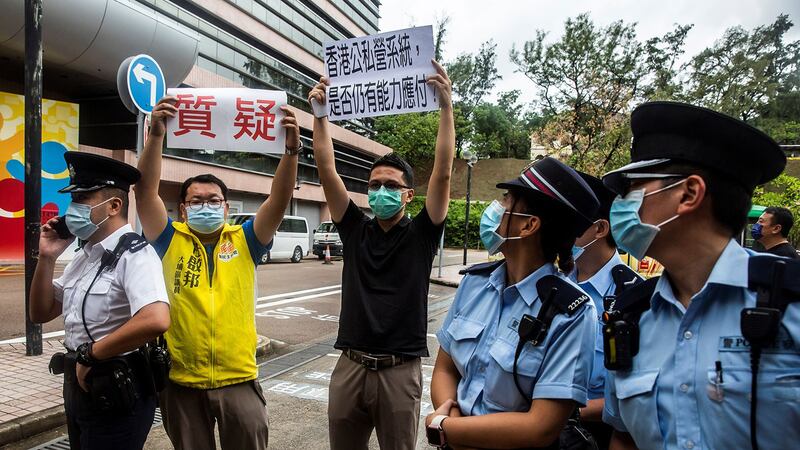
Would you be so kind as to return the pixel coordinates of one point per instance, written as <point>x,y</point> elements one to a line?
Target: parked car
<point>325,236</point>
<point>290,241</point>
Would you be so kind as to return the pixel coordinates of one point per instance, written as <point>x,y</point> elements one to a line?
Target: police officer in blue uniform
<point>600,272</point>
<point>708,355</point>
<point>516,347</point>
<point>114,301</point>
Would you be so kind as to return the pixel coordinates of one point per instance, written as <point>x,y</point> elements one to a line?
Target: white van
<point>290,241</point>
<point>326,236</point>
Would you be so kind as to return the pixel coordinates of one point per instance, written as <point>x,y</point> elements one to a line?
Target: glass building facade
<point>233,54</point>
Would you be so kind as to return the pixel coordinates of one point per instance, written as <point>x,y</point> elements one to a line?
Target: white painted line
<point>298,299</point>
<point>335,355</point>
<point>21,340</point>
<point>432,336</point>
<point>306,291</point>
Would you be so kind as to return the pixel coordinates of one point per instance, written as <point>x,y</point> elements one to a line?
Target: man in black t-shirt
<point>772,229</point>
<point>377,382</point>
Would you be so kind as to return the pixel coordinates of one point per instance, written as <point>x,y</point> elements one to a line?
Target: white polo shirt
<point>116,295</point>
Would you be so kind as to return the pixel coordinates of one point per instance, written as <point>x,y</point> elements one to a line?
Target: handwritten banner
<point>380,74</point>
<point>229,119</point>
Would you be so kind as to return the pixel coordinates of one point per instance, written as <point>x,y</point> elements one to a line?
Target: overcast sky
<point>511,22</point>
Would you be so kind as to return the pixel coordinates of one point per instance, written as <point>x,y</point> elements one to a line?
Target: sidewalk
<point>30,397</point>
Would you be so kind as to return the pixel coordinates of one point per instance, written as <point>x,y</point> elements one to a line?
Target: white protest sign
<point>380,74</point>
<point>230,119</point>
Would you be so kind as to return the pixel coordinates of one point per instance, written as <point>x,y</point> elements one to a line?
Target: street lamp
<point>471,159</point>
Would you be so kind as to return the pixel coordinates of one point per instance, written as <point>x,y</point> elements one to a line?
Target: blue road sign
<point>146,83</point>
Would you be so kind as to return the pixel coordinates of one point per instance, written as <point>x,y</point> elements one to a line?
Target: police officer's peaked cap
<point>89,172</point>
<point>554,182</point>
<point>665,132</point>
<point>604,195</point>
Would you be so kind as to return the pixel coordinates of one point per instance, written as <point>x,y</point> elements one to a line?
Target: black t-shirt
<point>784,249</point>
<point>385,283</point>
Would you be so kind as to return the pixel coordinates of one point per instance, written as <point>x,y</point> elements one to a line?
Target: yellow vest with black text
<point>212,338</point>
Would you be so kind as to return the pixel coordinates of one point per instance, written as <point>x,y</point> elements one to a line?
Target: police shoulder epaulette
<point>133,242</point>
<point>624,278</point>
<point>486,267</point>
<point>566,297</point>
<point>637,298</point>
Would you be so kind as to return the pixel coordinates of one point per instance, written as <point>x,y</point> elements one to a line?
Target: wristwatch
<point>294,151</point>
<point>84,354</point>
<point>435,432</point>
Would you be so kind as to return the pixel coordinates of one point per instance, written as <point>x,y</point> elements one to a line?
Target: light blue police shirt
<point>670,398</point>
<point>598,286</point>
<point>480,335</point>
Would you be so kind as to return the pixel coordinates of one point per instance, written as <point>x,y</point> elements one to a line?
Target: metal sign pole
<point>33,162</point>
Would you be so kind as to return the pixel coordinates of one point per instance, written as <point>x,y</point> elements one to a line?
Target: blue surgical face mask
<point>757,231</point>
<point>79,219</point>
<point>627,228</point>
<point>385,203</point>
<point>205,220</point>
<point>578,251</point>
<point>490,220</point>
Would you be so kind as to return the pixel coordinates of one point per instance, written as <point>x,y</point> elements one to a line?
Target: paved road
<point>298,307</point>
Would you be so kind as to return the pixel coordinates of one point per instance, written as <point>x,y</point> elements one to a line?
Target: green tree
<point>744,71</point>
<point>412,136</point>
<point>473,77</point>
<point>499,130</point>
<point>588,81</point>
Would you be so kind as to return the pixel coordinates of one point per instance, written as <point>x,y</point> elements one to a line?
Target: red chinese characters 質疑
<point>194,114</point>
<point>255,119</point>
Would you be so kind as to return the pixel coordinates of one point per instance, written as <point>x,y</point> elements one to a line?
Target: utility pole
<point>33,162</point>
<point>471,158</point>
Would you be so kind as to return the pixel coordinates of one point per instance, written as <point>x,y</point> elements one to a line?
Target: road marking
<point>298,299</point>
<point>306,291</point>
<point>21,340</point>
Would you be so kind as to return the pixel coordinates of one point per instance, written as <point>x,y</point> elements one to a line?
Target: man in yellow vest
<point>210,272</point>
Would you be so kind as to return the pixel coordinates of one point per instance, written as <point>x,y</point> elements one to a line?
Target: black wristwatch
<point>84,354</point>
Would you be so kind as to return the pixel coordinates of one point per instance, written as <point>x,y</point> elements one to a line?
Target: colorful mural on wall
<point>59,135</point>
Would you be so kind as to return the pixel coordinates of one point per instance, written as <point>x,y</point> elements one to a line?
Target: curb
<point>263,347</point>
<point>444,282</point>
<point>24,427</point>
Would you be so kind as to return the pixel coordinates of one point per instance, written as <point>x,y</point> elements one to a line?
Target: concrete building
<point>263,44</point>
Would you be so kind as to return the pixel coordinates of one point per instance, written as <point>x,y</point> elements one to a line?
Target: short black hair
<point>781,216</point>
<point>730,200</point>
<point>111,192</point>
<point>204,178</point>
<point>394,160</point>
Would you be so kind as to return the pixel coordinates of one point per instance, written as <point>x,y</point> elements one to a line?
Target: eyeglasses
<point>375,186</point>
<point>197,205</point>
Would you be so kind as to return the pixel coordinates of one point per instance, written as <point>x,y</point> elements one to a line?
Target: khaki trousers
<point>387,400</point>
<point>239,410</point>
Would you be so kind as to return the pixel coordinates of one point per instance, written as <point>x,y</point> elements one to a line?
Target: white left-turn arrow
<point>141,75</point>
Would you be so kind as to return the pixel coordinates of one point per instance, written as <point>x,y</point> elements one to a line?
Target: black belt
<point>373,361</point>
<point>134,360</point>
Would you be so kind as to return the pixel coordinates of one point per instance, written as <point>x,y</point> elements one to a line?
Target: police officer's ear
<point>692,193</point>
<point>530,226</point>
<point>115,205</point>
<point>602,229</point>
